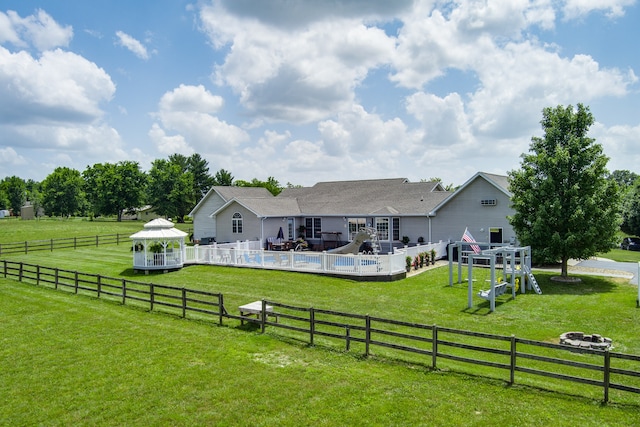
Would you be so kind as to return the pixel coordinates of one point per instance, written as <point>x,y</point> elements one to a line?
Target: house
<point>145,213</point>
<point>329,214</point>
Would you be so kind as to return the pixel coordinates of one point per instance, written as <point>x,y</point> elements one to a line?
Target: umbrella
<point>280,234</point>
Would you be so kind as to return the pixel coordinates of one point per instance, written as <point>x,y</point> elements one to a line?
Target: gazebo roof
<point>158,228</point>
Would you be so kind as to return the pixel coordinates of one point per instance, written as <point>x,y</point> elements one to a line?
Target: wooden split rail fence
<point>527,362</point>
<point>62,243</point>
<point>175,300</point>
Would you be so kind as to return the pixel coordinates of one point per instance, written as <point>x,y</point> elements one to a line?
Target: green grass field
<point>74,360</point>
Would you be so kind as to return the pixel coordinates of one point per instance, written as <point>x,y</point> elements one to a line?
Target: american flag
<point>467,237</point>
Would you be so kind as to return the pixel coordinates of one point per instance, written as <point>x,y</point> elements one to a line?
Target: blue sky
<point>309,91</point>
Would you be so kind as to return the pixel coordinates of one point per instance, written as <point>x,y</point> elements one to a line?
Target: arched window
<point>236,223</point>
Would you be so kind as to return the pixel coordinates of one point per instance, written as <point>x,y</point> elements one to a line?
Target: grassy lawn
<point>622,256</point>
<point>101,363</point>
<point>73,360</point>
<point>16,230</point>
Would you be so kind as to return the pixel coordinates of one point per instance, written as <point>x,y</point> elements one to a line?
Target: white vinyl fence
<point>250,254</point>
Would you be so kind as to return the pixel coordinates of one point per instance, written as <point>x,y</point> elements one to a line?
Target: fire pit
<point>582,340</point>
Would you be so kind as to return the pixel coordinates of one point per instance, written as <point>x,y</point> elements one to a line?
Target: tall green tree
<point>223,178</point>
<point>565,207</point>
<point>15,191</point>
<point>114,188</point>
<point>202,180</point>
<point>62,192</point>
<point>170,189</point>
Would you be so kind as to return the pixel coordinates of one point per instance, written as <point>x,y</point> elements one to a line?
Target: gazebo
<point>160,246</point>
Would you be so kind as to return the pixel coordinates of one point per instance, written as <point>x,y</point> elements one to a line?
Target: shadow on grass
<point>589,285</point>
<point>484,307</point>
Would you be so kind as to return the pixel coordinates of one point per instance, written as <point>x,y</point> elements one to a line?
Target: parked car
<point>630,244</point>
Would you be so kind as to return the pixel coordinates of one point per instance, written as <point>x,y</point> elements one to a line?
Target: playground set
<point>514,261</point>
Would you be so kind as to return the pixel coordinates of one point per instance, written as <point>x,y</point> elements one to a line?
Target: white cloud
<point>620,144</point>
<point>136,47</point>
<point>9,156</point>
<point>188,98</point>
<point>611,8</point>
<point>167,144</point>
<point>39,30</point>
<point>57,87</point>
<point>295,74</point>
<point>527,76</point>
<point>189,112</point>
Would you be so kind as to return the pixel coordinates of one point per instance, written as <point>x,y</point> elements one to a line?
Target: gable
<point>481,187</point>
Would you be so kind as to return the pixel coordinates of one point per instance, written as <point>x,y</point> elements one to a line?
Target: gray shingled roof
<point>395,196</point>
<point>499,180</point>
<point>229,192</point>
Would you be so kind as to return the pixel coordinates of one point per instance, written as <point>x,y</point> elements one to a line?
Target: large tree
<point>170,189</point>
<point>114,188</point>
<point>14,189</point>
<point>62,192</point>
<point>202,180</point>
<point>565,207</point>
<point>223,178</point>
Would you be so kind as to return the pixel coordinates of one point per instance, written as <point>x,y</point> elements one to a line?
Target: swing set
<point>514,261</point>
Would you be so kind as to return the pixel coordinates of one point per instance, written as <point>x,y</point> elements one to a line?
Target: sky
<point>315,90</point>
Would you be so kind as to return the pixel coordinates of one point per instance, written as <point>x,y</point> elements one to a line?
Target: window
<point>489,202</point>
<point>396,228</point>
<point>382,228</point>
<point>313,228</point>
<point>355,225</point>
<point>236,223</point>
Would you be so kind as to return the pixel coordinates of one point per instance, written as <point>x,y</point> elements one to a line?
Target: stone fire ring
<point>581,340</point>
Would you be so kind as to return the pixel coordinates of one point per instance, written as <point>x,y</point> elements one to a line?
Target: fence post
<point>20,272</point>
<point>51,246</point>
<point>512,375</point>
<point>38,274</point>
<point>4,268</point>
<point>607,374</point>
<point>75,243</point>
<point>26,247</point>
<point>99,285</point>
<point>184,303</point>
<point>348,337</point>
<point>263,316</point>
<point>220,307</point>
<point>96,241</point>
<point>75,282</point>
<point>312,324</point>
<point>434,346</point>
<point>367,335</point>
<point>124,291</point>
<point>57,275</point>
<point>152,296</point>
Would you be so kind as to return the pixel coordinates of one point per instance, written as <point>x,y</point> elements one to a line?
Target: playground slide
<point>354,246</point>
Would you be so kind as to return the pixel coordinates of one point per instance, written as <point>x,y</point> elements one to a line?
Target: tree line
<point>172,186</point>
